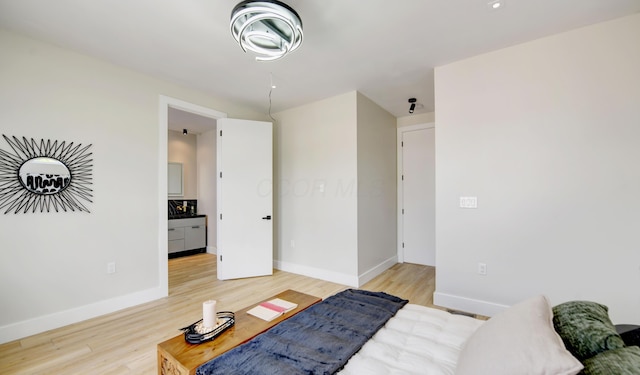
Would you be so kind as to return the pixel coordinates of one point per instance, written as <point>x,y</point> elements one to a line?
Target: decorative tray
<point>196,334</point>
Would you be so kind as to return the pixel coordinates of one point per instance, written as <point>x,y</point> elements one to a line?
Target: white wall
<point>545,134</point>
<point>377,230</point>
<point>53,265</point>
<point>207,184</point>
<point>335,170</point>
<point>316,180</point>
<point>182,149</point>
<point>416,119</point>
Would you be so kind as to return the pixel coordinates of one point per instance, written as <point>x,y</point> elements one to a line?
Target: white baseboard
<point>44,323</point>
<point>336,277</point>
<point>212,250</point>
<point>317,273</point>
<point>465,304</point>
<point>377,270</point>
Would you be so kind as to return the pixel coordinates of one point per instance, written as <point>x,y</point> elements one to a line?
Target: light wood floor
<point>125,342</point>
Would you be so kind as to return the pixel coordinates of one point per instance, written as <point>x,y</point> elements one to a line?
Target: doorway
<point>192,147</point>
<point>167,103</point>
<point>416,194</point>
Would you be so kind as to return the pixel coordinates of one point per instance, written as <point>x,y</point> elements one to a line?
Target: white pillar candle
<point>209,313</point>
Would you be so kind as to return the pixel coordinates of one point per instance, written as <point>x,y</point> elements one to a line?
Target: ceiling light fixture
<point>412,107</point>
<point>496,4</point>
<point>269,28</point>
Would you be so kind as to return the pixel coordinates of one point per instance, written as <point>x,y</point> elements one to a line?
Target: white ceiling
<point>385,49</point>
<point>195,124</point>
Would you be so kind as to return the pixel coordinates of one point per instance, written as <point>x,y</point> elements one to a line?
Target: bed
<point>417,340</point>
<point>363,332</point>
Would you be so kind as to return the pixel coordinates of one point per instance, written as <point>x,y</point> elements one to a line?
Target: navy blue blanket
<point>318,340</point>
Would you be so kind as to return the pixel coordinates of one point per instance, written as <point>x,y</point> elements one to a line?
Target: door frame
<point>166,102</point>
<point>400,131</point>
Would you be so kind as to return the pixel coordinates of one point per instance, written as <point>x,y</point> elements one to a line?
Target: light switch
<point>469,202</point>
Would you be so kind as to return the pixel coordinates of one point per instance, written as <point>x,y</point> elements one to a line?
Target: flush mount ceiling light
<point>269,28</point>
<point>496,4</point>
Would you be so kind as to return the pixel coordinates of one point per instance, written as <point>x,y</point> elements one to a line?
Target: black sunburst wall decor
<point>44,176</point>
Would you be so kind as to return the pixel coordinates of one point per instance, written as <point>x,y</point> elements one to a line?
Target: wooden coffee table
<point>178,357</point>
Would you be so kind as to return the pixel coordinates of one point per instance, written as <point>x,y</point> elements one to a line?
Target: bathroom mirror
<point>175,184</point>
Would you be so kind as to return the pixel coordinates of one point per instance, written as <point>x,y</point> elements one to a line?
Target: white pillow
<point>518,341</point>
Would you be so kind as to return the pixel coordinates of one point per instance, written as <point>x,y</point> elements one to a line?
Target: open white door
<point>245,201</point>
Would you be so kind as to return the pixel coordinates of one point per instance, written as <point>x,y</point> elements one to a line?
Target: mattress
<point>417,340</point>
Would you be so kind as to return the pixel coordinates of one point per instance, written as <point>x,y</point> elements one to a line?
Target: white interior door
<point>245,201</point>
<point>418,194</point>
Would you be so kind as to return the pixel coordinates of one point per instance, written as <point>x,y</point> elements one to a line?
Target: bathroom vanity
<point>187,234</point>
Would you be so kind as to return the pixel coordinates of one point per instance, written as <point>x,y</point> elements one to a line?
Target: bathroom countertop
<point>184,216</point>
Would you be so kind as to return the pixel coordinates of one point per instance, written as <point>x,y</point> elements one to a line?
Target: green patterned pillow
<point>623,361</point>
<point>585,328</point>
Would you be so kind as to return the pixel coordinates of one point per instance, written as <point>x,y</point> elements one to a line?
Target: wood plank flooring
<point>125,342</point>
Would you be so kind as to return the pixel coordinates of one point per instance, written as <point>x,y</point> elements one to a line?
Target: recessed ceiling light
<point>496,4</point>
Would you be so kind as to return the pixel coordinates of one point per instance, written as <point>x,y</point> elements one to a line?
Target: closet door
<point>418,194</point>
<point>245,198</point>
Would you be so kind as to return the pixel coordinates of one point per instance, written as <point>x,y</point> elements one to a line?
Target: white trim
<point>212,249</point>
<point>165,103</point>
<point>163,214</point>
<point>59,319</point>
<point>316,273</point>
<point>377,270</point>
<point>193,108</point>
<point>471,305</point>
<point>336,277</point>
<point>400,228</point>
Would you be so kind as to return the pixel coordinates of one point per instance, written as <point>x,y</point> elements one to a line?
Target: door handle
<point>268,217</point>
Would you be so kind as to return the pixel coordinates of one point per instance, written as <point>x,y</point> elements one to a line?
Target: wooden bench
<point>178,357</point>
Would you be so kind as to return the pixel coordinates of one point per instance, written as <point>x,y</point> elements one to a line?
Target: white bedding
<point>417,340</point>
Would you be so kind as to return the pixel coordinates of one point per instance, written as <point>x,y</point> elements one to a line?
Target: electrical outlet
<point>482,268</point>
<point>111,267</point>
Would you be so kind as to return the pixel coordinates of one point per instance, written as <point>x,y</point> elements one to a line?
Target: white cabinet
<point>195,236</point>
<point>187,234</point>
<point>176,238</point>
